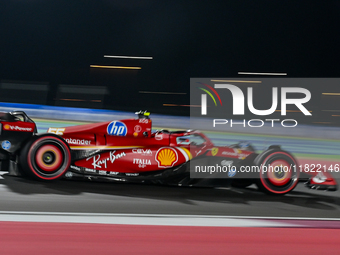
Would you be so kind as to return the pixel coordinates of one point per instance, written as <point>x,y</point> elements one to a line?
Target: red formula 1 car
<point>128,150</point>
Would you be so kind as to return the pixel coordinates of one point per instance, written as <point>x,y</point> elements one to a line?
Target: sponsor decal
<point>232,172</point>
<point>57,131</point>
<point>319,178</point>
<point>143,152</point>
<point>159,137</point>
<point>214,151</point>
<point>226,162</point>
<point>199,152</point>
<point>166,157</point>
<point>237,153</point>
<point>131,174</point>
<point>137,128</point>
<point>135,134</point>
<point>78,141</point>
<point>141,162</point>
<point>17,128</point>
<point>228,153</point>
<point>117,128</point>
<point>102,172</point>
<point>6,145</point>
<point>113,173</point>
<point>68,175</point>
<point>244,144</point>
<point>91,153</point>
<point>144,121</point>
<point>98,162</point>
<point>89,170</point>
<point>75,168</point>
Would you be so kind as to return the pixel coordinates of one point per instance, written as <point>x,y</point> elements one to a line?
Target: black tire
<point>45,157</point>
<point>282,174</point>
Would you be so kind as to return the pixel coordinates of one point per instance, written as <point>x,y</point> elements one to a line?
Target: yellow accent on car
<point>187,152</point>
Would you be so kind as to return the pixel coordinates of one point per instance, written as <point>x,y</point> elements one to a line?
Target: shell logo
<point>6,127</point>
<point>166,157</point>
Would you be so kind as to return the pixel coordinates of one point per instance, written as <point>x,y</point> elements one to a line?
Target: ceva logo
<point>117,128</point>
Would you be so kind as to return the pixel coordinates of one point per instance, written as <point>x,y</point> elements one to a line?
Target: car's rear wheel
<point>46,157</point>
<point>278,173</point>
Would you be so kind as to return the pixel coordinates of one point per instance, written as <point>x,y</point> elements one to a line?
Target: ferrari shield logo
<point>214,151</point>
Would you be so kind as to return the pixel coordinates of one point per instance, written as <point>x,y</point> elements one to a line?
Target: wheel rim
<point>280,174</point>
<point>279,182</point>
<point>49,158</point>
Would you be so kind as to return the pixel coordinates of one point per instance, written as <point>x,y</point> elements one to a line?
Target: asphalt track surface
<point>19,194</point>
<point>273,236</point>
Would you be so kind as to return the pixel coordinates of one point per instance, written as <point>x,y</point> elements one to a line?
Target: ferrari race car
<point>128,150</point>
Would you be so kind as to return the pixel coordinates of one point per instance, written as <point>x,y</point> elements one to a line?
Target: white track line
<point>150,219</point>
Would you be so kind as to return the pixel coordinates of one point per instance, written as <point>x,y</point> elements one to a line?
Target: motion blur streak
<point>237,81</point>
<point>52,238</point>
<point>159,92</point>
<point>116,67</point>
<point>262,73</point>
<point>185,105</point>
<point>132,57</point>
<point>331,94</point>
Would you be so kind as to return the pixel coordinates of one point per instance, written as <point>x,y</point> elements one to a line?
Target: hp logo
<point>117,128</point>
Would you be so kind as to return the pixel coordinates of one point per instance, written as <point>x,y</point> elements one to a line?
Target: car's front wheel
<point>45,157</point>
<point>278,173</point>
